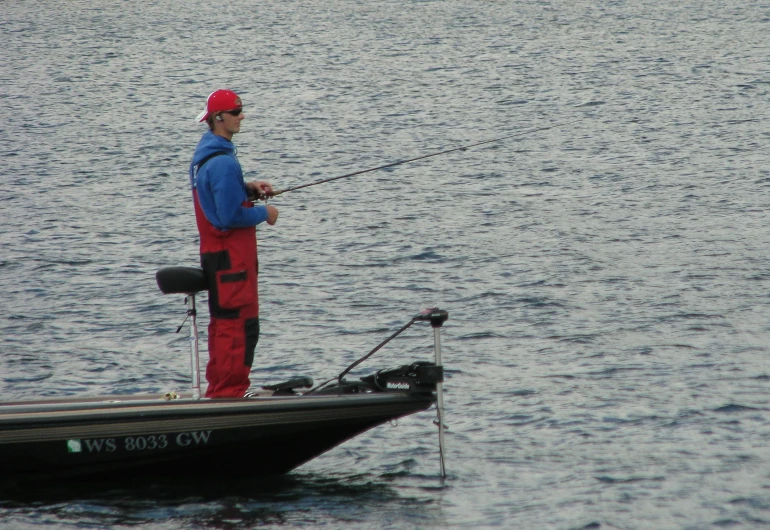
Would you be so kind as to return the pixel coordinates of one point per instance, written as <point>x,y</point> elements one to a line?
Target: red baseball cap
<point>220,101</point>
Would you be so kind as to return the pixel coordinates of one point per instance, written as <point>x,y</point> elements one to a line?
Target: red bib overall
<point>229,260</point>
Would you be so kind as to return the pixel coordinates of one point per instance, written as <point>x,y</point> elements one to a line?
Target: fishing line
<point>392,164</point>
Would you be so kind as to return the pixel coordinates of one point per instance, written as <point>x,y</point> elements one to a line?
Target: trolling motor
<point>417,378</point>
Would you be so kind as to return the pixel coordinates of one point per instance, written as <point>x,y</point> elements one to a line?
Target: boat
<point>276,429</point>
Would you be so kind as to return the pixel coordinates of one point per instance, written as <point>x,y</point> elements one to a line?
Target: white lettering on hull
<point>183,439</point>
<point>138,443</point>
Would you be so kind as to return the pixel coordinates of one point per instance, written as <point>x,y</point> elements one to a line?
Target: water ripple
<point>607,343</point>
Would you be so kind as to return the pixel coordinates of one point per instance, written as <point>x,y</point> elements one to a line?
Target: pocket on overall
<point>234,289</point>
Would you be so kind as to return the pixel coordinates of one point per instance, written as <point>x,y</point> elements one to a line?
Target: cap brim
<point>203,115</point>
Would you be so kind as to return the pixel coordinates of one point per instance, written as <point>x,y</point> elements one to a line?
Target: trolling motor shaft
<point>437,317</point>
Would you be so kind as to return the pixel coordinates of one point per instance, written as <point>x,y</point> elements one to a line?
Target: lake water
<point>606,280</point>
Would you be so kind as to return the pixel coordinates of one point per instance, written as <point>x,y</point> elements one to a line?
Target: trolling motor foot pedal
<point>288,387</point>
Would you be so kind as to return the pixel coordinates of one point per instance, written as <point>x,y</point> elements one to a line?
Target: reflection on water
<point>295,500</point>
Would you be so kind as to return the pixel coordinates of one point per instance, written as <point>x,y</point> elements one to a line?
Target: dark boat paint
<point>60,438</point>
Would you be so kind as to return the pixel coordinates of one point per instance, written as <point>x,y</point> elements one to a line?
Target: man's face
<point>232,119</point>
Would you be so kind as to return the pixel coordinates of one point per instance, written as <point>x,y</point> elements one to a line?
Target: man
<point>227,220</point>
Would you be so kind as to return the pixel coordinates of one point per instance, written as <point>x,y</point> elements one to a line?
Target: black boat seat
<point>181,280</point>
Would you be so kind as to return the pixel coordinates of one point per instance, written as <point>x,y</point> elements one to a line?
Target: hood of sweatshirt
<point>209,144</point>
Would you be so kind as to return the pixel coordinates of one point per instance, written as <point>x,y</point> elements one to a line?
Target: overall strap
<point>196,167</point>
<point>212,155</point>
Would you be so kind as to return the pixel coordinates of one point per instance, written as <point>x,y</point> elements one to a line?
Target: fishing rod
<point>392,164</point>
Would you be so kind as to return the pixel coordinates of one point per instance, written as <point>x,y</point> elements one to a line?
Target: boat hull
<point>139,438</point>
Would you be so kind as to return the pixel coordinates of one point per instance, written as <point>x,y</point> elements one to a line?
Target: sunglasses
<point>234,112</point>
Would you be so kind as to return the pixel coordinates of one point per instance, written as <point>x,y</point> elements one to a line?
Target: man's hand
<point>260,189</point>
<point>272,214</point>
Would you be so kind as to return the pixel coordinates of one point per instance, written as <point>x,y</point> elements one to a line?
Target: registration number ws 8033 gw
<point>152,442</point>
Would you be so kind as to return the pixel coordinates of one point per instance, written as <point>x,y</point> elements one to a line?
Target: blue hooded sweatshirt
<point>220,185</point>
